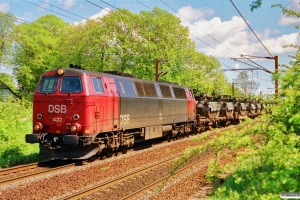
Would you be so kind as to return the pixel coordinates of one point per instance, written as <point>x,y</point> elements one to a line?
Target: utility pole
<point>276,72</point>
<point>248,57</point>
<point>232,88</point>
<point>156,67</point>
<point>157,61</point>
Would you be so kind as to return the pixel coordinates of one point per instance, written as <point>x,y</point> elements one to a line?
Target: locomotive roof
<point>74,71</point>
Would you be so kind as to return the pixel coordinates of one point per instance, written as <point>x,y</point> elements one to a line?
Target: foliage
<point>248,87</point>
<point>6,29</point>
<point>15,120</point>
<point>9,81</point>
<point>119,41</point>
<point>287,12</point>
<point>255,4</point>
<point>36,50</point>
<point>268,165</point>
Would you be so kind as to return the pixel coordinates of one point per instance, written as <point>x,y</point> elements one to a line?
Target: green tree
<point>255,4</point>
<point>247,86</point>
<point>36,50</point>
<point>270,164</point>
<point>131,43</point>
<point>6,40</point>
<point>9,81</point>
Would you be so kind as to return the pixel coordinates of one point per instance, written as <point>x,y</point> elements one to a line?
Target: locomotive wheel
<point>107,153</point>
<point>124,149</point>
<point>102,157</point>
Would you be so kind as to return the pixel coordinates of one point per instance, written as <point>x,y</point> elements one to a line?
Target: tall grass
<point>269,164</point>
<point>15,122</point>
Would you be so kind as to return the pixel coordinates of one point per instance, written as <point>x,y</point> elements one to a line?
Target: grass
<point>15,122</point>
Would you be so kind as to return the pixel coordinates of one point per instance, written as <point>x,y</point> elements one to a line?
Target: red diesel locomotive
<point>79,113</point>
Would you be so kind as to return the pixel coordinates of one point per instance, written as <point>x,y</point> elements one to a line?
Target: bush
<point>15,122</point>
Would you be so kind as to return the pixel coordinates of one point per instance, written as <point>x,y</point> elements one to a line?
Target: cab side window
<point>98,86</point>
<point>179,93</point>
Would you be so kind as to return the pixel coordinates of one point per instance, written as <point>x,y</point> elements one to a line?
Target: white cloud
<point>276,44</point>
<point>4,7</point>
<point>193,14</point>
<point>236,66</point>
<point>291,20</point>
<point>67,3</point>
<point>102,13</point>
<point>284,20</point>
<point>295,5</point>
<point>225,39</point>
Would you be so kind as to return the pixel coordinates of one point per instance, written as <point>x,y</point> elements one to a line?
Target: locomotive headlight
<point>60,71</point>
<point>37,127</point>
<point>74,128</point>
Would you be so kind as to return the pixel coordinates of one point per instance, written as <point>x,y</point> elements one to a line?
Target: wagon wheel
<point>198,128</point>
<point>169,137</point>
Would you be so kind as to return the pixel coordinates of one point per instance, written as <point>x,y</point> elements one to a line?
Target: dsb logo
<point>57,109</point>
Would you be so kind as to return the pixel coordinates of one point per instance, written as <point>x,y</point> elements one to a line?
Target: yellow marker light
<point>73,128</point>
<point>36,127</point>
<point>86,131</point>
<point>60,71</point>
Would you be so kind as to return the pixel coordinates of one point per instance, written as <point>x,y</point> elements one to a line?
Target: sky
<point>216,26</point>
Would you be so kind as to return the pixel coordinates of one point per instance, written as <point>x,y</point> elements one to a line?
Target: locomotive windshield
<point>71,84</point>
<point>48,84</point>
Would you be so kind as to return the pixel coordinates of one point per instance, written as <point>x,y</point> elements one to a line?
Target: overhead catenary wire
<point>266,70</point>
<point>113,7</point>
<point>13,18</point>
<point>62,9</point>
<point>265,79</point>
<point>109,5</point>
<point>197,26</point>
<point>96,5</point>
<point>227,66</point>
<point>251,28</point>
<point>194,35</point>
<point>143,4</point>
<point>50,10</point>
<point>150,9</point>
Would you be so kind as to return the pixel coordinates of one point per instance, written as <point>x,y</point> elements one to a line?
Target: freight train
<point>79,113</point>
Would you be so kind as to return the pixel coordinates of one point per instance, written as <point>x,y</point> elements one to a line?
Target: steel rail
<point>34,174</point>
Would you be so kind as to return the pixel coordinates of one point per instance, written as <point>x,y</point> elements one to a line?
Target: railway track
<point>131,185</point>
<point>69,184</point>
<point>23,172</point>
<point>17,169</point>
